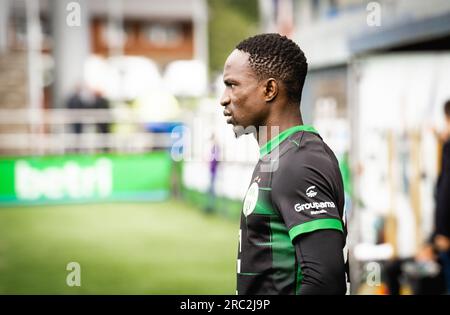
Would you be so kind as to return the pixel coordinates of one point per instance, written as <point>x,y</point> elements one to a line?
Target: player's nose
<point>225,99</point>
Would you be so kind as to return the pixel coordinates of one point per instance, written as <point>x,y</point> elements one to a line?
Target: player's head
<point>278,57</point>
<point>263,70</point>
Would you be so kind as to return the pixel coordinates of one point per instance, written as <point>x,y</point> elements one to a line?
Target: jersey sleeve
<point>306,194</point>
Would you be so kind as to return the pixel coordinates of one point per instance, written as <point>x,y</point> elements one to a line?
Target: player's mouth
<point>230,119</point>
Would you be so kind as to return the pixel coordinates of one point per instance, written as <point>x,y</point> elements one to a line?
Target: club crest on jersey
<point>250,199</point>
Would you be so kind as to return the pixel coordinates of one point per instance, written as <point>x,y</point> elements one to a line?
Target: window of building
<point>163,34</point>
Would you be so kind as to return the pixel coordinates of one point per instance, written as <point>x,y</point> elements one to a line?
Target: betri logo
<point>310,192</point>
<point>70,180</point>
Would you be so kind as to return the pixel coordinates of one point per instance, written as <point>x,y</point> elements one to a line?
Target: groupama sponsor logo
<point>314,205</point>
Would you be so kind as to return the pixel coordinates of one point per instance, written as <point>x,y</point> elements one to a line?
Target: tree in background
<point>230,21</point>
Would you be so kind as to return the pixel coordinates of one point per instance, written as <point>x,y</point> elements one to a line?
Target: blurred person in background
<point>84,97</point>
<point>213,165</point>
<point>429,270</point>
<point>441,236</point>
<point>292,234</point>
<point>421,274</point>
<point>100,102</point>
<point>81,98</point>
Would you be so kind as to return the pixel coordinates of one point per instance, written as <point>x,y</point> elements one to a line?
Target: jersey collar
<point>275,141</point>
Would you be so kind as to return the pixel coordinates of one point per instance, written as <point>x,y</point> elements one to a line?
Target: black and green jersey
<point>296,188</point>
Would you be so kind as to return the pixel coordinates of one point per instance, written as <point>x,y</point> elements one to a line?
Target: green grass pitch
<point>122,248</point>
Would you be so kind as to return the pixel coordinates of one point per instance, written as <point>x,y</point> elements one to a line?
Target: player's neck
<point>278,123</point>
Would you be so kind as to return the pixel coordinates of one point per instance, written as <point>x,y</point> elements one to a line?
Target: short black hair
<point>278,57</point>
<point>447,108</point>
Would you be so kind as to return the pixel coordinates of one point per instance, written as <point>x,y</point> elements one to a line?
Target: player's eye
<point>230,84</point>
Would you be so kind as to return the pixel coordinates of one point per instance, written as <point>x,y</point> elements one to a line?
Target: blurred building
<point>122,50</point>
<point>375,86</point>
<point>54,38</point>
<point>333,33</point>
<point>119,64</point>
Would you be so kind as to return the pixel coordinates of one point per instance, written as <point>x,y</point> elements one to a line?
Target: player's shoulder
<point>305,153</point>
<point>308,148</point>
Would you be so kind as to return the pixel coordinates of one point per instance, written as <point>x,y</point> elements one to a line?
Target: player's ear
<point>270,89</point>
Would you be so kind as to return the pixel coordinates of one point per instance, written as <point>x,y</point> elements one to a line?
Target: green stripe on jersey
<point>249,273</point>
<point>283,252</point>
<point>299,279</point>
<point>318,224</point>
<point>263,205</point>
<point>275,141</point>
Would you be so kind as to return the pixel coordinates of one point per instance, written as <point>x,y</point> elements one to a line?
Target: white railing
<point>51,131</point>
